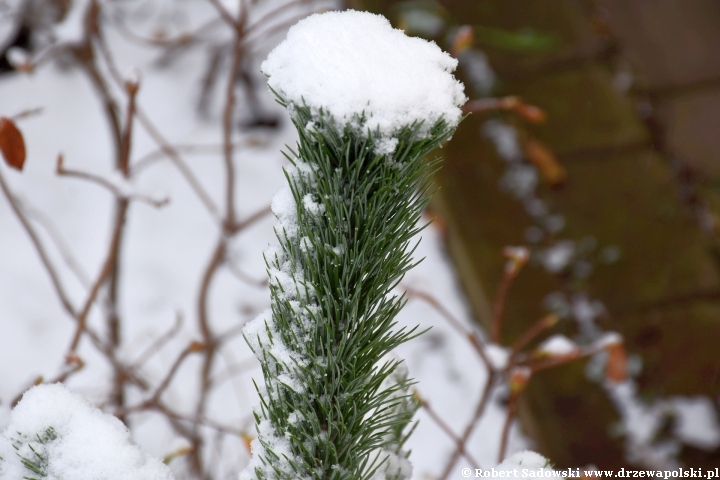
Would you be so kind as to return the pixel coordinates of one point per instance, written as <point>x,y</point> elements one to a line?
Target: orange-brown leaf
<point>616,367</point>
<point>519,377</point>
<point>531,113</point>
<point>544,159</point>
<point>247,440</point>
<point>12,144</point>
<point>438,222</point>
<point>463,40</point>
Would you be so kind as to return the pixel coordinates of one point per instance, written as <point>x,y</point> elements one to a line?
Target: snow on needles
<point>74,439</point>
<point>350,62</point>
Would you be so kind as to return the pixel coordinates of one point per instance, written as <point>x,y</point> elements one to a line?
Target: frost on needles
<point>369,103</point>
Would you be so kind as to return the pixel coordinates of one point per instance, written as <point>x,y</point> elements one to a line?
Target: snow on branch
<point>55,434</point>
<point>348,63</point>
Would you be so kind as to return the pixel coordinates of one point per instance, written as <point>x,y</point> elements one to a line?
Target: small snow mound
<point>350,62</point>
<point>526,460</point>
<point>697,422</point>
<point>558,345</point>
<point>608,339</point>
<point>79,441</point>
<point>498,356</point>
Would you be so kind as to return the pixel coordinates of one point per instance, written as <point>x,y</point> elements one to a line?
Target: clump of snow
<point>697,422</point>
<point>71,30</point>
<point>285,210</point>
<point>585,312</point>
<point>558,256</point>
<point>313,207</point>
<point>278,444</point>
<point>498,356</point>
<point>520,180</point>
<point>477,68</point>
<point>85,444</point>
<point>525,460</point>
<point>505,139</point>
<point>607,339</point>
<point>387,146</point>
<point>348,63</point>
<point>558,345</point>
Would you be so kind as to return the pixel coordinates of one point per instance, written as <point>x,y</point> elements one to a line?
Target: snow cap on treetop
<point>350,62</point>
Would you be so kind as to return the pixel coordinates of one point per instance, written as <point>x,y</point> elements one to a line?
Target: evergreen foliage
<point>332,407</point>
<point>37,463</point>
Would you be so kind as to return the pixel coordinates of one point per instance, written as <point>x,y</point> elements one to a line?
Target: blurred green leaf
<point>522,41</point>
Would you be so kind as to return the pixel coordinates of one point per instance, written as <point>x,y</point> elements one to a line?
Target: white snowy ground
<point>166,250</point>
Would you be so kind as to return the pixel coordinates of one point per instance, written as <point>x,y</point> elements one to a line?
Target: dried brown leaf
<point>12,144</point>
<point>616,367</point>
<point>544,159</point>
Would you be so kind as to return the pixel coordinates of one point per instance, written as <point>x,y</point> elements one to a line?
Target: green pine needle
<point>37,463</point>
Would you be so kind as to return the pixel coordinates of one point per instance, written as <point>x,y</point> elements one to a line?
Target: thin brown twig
<point>531,333</point>
<point>448,431</point>
<point>179,163</point>
<point>146,160</point>
<point>244,277</point>
<point>228,149</point>
<point>255,217</point>
<point>67,372</point>
<point>499,305</point>
<point>270,15</point>
<point>107,184</point>
<point>227,16</point>
<point>131,88</point>
<point>110,267</point>
<point>511,408</point>
<point>282,26</point>
<point>202,421</point>
<point>99,282</point>
<point>479,410</point>
<point>234,370</point>
<point>229,334</point>
<point>157,344</point>
<point>27,113</point>
<point>39,248</point>
<point>537,365</point>
<point>155,134</point>
<point>454,323</point>
<point>192,348</point>
<point>171,414</point>
<point>209,341</point>
<point>229,228</point>
<point>52,231</point>
<point>181,40</point>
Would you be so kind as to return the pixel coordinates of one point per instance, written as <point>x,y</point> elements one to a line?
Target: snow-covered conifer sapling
<point>369,104</point>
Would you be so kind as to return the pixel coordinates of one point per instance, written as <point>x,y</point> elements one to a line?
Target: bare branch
<point>39,247</point>
<point>158,344</point>
<point>107,184</point>
<point>479,410</point>
<point>460,445</point>
<point>472,337</point>
<point>234,370</point>
<point>158,138</point>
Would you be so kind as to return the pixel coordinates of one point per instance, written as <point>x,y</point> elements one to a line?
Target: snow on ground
<point>165,251</point>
